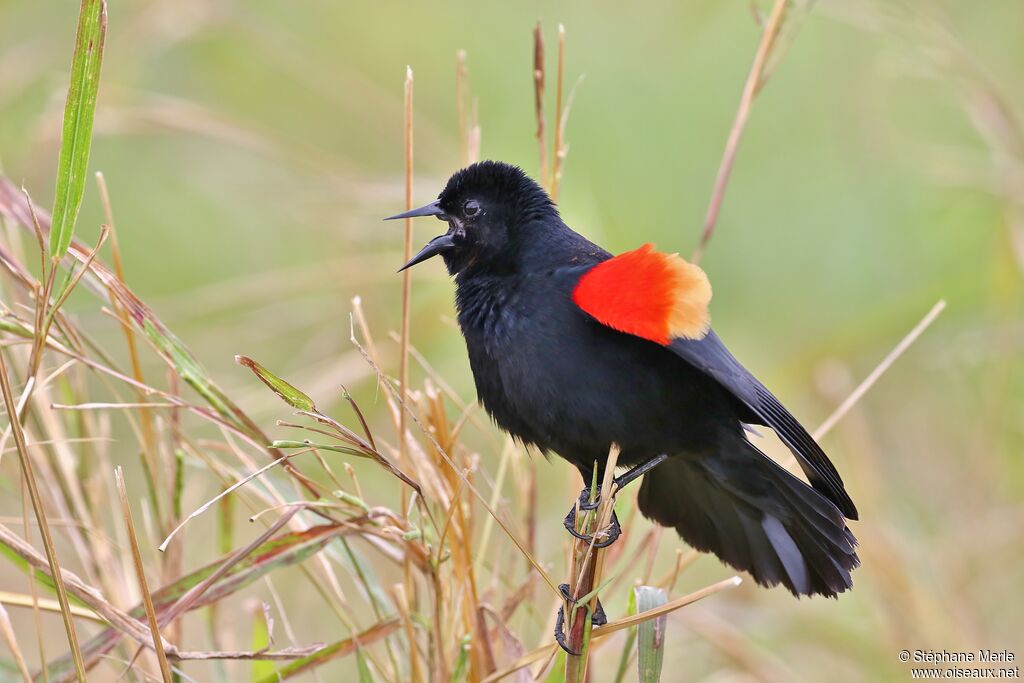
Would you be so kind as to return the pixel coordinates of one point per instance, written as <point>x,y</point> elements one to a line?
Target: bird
<point>573,349</point>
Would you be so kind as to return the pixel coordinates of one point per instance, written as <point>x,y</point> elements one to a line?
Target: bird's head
<point>488,207</point>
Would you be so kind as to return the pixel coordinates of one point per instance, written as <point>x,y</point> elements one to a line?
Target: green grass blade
<point>335,650</point>
<point>288,393</point>
<point>556,674</point>
<point>76,134</point>
<point>260,640</point>
<point>461,663</point>
<point>364,669</point>
<point>627,648</point>
<point>650,634</point>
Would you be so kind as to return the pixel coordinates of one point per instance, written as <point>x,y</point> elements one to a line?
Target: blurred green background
<point>251,149</point>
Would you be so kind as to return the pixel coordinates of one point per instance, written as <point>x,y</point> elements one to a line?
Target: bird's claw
<point>613,532</point>
<point>586,503</point>
<point>598,618</point>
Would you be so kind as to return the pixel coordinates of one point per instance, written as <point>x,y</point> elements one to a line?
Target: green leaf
<point>627,648</point>
<point>364,669</point>
<point>289,394</point>
<point>186,365</point>
<point>76,134</point>
<point>260,641</point>
<point>285,444</point>
<point>459,671</point>
<point>650,634</point>
<point>335,650</point>
<point>556,674</point>
<point>179,482</point>
<point>9,672</point>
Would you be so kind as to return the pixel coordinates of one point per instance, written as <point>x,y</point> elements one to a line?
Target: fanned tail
<point>755,516</point>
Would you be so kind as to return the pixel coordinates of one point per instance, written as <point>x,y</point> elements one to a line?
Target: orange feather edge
<point>649,294</point>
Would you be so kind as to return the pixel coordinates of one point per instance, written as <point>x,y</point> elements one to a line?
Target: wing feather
<point>639,292</point>
<point>711,357</point>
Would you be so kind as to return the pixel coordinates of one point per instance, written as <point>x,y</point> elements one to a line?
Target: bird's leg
<point>598,618</point>
<point>585,503</point>
<point>640,470</point>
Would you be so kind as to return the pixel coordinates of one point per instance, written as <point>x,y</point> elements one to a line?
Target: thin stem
<point>538,101</point>
<point>140,572</point>
<point>44,527</point>
<point>750,90</point>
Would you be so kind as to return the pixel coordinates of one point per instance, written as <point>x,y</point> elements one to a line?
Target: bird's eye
<point>471,207</point>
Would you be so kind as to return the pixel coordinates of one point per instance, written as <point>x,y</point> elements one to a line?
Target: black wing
<point>711,357</point>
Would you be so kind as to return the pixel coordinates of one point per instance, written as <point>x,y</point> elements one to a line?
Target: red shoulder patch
<point>649,294</point>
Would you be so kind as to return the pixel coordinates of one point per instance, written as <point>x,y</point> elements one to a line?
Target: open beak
<point>438,245</point>
<point>431,209</point>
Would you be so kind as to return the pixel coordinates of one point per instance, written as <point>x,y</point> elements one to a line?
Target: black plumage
<point>553,376</point>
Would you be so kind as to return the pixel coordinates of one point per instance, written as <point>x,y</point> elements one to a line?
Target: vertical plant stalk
<point>140,572</point>
<point>148,454</point>
<point>461,105</point>
<point>33,587</point>
<point>44,527</point>
<point>750,90</point>
<point>557,148</point>
<point>585,576</point>
<point>403,371</point>
<point>7,631</point>
<point>538,101</point>
<point>403,363</point>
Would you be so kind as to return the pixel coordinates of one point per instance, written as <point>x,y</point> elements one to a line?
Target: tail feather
<point>756,517</point>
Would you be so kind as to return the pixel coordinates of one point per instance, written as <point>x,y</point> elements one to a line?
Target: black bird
<point>573,350</point>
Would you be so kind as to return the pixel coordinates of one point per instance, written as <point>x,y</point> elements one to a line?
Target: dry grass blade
<point>185,602</point>
<point>7,631</point>
<point>47,605</point>
<point>140,572</point>
<point>409,588</point>
<point>148,454</point>
<point>208,504</point>
<point>461,113</point>
<point>559,148</point>
<point>455,468</point>
<point>403,368</point>
<point>750,90</point>
<point>106,284</point>
<point>285,654</point>
<point>287,550</point>
<point>843,408</point>
<point>879,370</point>
<point>44,527</point>
<point>614,626</point>
<point>668,607</point>
<point>538,101</point>
<point>75,586</point>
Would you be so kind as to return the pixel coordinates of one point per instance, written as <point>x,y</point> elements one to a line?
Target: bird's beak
<point>431,209</point>
<point>438,245</point>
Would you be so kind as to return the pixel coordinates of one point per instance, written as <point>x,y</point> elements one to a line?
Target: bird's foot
<point>611,534</point>
<point>598,618</point>
<point>586,503</point>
